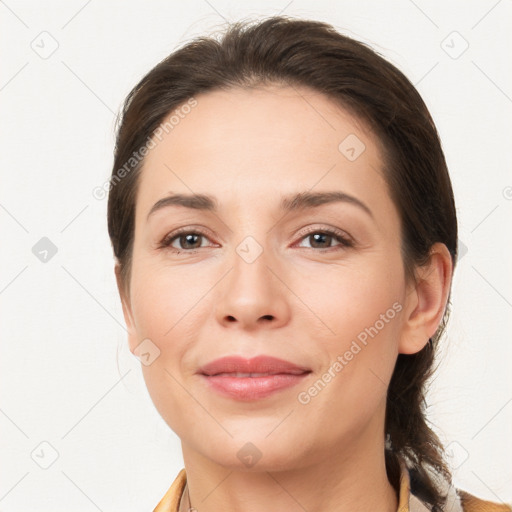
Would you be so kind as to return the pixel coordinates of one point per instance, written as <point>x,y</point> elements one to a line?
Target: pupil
<point>189,239</point>
<point>320,237</point>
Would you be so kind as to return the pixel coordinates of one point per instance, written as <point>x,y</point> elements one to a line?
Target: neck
<point>344,480</point>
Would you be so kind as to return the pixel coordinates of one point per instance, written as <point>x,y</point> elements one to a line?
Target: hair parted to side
<point>294,52</point>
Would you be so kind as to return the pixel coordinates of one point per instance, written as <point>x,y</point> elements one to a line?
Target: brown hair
<point>294,52</point>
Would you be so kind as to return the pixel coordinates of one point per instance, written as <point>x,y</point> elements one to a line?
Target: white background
<point>67,377</point>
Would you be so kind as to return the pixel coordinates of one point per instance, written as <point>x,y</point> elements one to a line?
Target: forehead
<point>263,142</point>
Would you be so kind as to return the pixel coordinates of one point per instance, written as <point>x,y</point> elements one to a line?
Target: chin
<point>257,456</point>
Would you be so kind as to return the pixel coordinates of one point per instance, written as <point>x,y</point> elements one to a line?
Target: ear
<point>426,300</point>
<point>127,311</point>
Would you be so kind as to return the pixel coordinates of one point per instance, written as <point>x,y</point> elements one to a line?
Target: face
<point>318,283</point>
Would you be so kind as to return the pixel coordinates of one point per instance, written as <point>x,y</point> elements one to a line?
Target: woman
<point>285,236</point>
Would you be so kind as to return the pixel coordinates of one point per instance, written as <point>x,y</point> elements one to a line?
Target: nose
<point>253,295</point>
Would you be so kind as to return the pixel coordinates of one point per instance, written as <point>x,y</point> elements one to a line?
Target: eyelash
<point>340,236</point>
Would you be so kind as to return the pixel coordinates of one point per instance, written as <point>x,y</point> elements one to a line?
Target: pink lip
<point>279,374</point>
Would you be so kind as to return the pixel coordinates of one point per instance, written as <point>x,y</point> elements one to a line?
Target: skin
<point>299,300</point>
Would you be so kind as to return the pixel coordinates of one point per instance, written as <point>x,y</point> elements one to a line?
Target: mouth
<point>251,379</point>
<point>246,375</point>
<point>254,367</point>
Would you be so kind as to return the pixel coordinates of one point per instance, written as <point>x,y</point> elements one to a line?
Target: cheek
<point>347,299</point>
<point>170,307</point>
<point>358,341</point>
<point>165,300</point>
<point>168,310</point>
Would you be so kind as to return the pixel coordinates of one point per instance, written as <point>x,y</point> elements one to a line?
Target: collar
<point>407,502</point>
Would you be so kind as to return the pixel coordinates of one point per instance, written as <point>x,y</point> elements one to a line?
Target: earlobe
<point>427,300</point>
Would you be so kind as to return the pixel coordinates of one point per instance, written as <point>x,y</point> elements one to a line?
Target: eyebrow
<point>294,202</point>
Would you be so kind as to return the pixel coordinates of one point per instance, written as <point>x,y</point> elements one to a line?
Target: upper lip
<point>260,364</point>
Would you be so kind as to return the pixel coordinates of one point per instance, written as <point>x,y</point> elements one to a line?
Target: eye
<point>183,241</point>
<point>322,239</point>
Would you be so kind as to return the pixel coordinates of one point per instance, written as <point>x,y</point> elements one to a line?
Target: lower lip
<point>253,388</point>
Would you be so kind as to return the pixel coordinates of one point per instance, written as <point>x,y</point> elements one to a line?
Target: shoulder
<point>471,503</point>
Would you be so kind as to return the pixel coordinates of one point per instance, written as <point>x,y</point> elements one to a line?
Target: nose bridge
<point>250,249</point>
<point>251,278</point>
